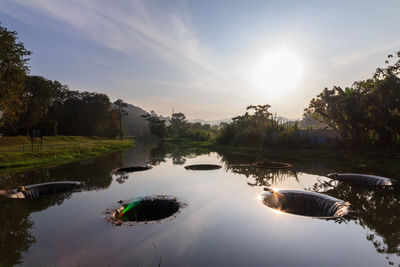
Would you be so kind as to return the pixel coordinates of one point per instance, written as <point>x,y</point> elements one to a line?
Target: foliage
<point>13,69</point>
<point>120,104</point>
<point>366,113</point>
<point>180,128</point>
<point>28,102</point>
<point>178,124</point>
<point>157,125</point>
<point>39,95</point>
<point>84,113</point>
<point>260,129</point>
<point>53,108</point>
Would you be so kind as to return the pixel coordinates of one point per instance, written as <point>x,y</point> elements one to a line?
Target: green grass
<point>55,150</point>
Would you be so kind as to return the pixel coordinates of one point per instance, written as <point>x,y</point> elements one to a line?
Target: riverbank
<point>17,152</point>
<point>387,160</point>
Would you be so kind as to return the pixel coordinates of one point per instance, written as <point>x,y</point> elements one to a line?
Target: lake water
<point>224,223</point>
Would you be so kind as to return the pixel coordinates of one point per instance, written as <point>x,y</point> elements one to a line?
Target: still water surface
<point>224,223</point>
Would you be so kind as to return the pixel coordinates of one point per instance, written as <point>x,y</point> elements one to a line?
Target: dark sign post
<point>36,133</point>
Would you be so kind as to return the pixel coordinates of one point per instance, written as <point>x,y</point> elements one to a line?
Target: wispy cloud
<point>136,27</point>
<point>360,56</point>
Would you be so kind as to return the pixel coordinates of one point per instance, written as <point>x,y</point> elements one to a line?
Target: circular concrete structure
<point>272,165</point>
<point>203,167</point>
<point>305,203</point>
<point>145,210</point>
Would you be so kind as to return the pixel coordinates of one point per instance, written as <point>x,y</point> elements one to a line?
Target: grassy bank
<point>18,152</point>
<point>385,159</point>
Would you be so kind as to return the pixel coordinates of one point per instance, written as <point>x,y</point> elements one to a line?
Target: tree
<point>84,113</point>
<point>120,108</point>
<point>178,121</point>
<point>367,112</point>
<point>13,70</point>
<point>39,96</point>
<point>258,129</point>
<point>156,125</point>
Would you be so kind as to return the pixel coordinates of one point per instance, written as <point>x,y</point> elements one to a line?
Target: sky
<point>207,59</point>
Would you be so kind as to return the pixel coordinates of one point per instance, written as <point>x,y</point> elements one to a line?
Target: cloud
<point>132,27</point>
<point>360,56</point>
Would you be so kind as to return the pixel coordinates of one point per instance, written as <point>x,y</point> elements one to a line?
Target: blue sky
<point>207,59</point>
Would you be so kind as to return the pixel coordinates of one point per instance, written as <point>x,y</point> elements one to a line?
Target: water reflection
<point>261,176</point>
<point>374,208</point>
<point>15,222</point>
<point>178,155</point>
<point>16,225</point>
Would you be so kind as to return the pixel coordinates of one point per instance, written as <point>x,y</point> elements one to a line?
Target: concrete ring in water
<point>273,165</point>
<point>132,169</point>
<point>361,179</point>
<point>38,190</point>
<point>144,210</point>
<point>203,167</point>
<point>305,203</point>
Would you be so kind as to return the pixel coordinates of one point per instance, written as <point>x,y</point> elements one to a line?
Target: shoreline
<point>69,151</point>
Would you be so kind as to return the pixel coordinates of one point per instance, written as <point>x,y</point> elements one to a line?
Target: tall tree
<point>122,112</point>
<point>13,69</point>
<point>178,121</point>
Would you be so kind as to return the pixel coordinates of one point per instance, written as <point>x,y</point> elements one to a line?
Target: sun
<point>277,72</point>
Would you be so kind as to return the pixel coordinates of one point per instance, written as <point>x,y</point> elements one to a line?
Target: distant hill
<point>134,124</point>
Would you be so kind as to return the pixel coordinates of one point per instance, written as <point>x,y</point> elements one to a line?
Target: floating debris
<point>273,165</point>
<point>144,210</point>
<point>37,190</point>
<point>132,169</point>
<point>203,167</point>
<point>305,203</point>
<point>361,179</point>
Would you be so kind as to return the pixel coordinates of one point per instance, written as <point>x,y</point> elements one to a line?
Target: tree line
<point>33,102</point>
<point>179,127</point>
<point>366,113</point>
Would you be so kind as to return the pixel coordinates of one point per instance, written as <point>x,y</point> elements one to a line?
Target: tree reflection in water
<point>15,224</point>
<point>263,176</point>
<point>178,155</point>
<point>374,208</point>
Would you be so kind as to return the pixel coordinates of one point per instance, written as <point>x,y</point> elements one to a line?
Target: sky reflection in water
<point>223,225</point>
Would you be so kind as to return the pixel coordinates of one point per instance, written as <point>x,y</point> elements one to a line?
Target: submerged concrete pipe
<point>361,179</point>
<point>148,209</point>
<point>272,165</point>
<point>203,167</point>
<point>132,169</point>
<point>37,190</point>
<point>305,203</point>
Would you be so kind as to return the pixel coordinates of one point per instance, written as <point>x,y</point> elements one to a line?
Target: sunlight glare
<point>277,72</point>
<point>278,212</point>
